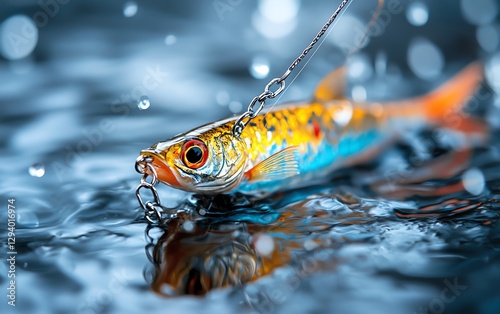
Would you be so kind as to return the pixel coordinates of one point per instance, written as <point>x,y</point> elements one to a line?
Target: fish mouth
<point>163,171</point>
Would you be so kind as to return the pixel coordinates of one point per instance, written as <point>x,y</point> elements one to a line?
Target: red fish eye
<point>194,154</point>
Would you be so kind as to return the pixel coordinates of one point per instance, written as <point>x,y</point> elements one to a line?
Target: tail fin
<point>444,105</point>
<point>450,97</point>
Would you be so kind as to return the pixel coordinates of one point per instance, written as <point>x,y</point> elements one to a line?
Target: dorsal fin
<point>332,86</point>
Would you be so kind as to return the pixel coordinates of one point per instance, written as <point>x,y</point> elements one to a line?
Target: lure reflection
<point>297,143</point>
<point>214,256</point>
<point>196,255</point>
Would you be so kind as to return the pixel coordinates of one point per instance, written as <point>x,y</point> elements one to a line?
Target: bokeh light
<point>425,59</point>
<point>417,13</point>
<point>479,12</point>
<point>18,37</point>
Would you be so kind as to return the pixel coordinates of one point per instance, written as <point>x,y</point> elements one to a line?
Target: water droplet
<point>417,13</point>
<point>479,12</point>
<point>37,170</point>
<point>143,103</point>
<point>202,212</point>
<point>170,40</point>
<point>18,37</point>
<point>473,181</point>
<point>188,226</point>
<point>279,11</point>
<point>222,97</point>
<point>488,37</point>
<point>235,106</point>
<point>359,68</point>
<point>425,59</point>
<point>358,93</point>
<point>130,9</point>
<point>264,245</point>
<point>259,67</point>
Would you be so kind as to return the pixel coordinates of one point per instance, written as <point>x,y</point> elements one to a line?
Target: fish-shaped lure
<point>299,142</point>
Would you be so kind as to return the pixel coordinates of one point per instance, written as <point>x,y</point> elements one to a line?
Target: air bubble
<point>143,103</point>
<point>37,170</point>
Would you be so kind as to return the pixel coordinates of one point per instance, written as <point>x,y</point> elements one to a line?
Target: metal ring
<point>150,187</point>
<point>252,104</point>
<point>278,91</point>
<point>240,123</point>
<point>140,164</point>
<point>154,176</point>
<point>153,209</point>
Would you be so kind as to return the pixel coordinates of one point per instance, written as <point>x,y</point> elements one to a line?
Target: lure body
<point>324,135</point>
<point>296,143</point>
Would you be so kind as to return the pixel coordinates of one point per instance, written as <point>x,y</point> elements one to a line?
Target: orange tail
<point>450,97</point>
<point>444,105</point>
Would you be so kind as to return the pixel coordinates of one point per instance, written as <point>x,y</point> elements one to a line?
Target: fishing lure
<point>299,142</point>
<point>291,145</point>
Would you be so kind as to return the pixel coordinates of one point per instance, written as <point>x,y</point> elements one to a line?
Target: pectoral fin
<point>332,86</point>
<point>281,165</point>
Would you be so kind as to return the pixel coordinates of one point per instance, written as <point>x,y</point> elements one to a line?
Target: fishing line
<point>349,55</point>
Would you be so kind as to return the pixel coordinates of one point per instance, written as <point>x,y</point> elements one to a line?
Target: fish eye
<point>194,154</point>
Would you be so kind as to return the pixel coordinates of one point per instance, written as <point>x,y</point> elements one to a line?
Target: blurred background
<point>85,85</point>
